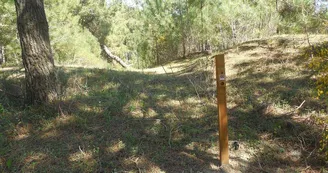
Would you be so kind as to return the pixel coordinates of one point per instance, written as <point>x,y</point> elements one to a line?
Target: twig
<point>301,139</point>
<point>61,111</point>
<point>194,87</point>
<point>82,151</point>
<point>170,137</point>
<point>300,106</point>
<point>258,161</point>
<point>311,153</point>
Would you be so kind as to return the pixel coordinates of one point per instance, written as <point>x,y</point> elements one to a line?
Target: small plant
<point>2,109</point>
<point>9,163</point>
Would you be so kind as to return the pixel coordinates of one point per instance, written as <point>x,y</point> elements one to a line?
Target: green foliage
<point>299,16</point>
<point>95,17</point>
<point>71,43</point>
<point>153,32</point>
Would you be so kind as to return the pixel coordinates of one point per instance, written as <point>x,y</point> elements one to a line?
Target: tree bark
<point>36,52</point>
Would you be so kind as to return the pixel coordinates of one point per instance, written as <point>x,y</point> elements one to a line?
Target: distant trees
<point>71,43</point>
<point>300,17</point>
<point>36,51</point>
<point>150,32</point>
<point>8,40</point>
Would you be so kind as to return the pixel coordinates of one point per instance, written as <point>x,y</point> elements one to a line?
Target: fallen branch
<point>300,106</point>
<point>116,58</point>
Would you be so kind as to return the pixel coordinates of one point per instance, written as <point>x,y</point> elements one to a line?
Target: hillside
<point>164,119</point>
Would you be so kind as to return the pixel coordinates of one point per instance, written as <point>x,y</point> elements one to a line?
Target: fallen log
<point>116,58</point>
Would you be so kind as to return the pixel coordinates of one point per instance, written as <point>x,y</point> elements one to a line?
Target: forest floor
<point>164,119</point>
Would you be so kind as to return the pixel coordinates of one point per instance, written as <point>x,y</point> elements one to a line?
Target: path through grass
<point>165,119</point>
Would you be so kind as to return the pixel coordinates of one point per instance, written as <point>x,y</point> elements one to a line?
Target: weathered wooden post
<point>222,108</point>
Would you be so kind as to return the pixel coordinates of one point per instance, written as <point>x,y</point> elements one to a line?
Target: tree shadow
<point>115,121</point>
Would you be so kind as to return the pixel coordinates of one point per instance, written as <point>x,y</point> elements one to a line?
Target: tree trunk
<point>116,58</point>
<point>36,51</point>
<point>2,55</point>
<point>184,48</point>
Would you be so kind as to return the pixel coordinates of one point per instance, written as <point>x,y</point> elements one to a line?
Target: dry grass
<point>164,119</point>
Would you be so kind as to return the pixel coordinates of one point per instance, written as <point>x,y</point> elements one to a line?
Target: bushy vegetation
<point>318,63</point>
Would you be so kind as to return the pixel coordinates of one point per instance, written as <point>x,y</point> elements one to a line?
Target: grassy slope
<point>164,119</point>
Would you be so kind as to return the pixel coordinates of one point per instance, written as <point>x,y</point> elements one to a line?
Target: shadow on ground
<point>112,122</point>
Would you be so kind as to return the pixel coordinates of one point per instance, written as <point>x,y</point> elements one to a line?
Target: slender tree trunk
<point>184,48</point>
<point>157,52</point>
<point>36,51</point>
<point>183,34</point>
<point>202,20</point>
<point>277,10</point>
<point>2,55</point>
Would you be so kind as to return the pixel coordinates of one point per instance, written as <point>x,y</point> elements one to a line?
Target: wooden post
<point>222,108</point>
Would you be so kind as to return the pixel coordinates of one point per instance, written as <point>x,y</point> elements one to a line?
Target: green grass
<point>152,121</point>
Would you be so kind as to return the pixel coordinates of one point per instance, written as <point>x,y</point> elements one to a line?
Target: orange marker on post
<point>222,108</point>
